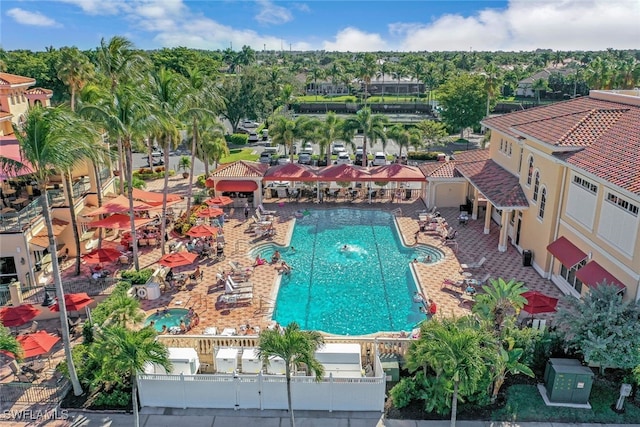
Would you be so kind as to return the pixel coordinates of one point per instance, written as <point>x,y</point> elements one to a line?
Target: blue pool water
<point>367,288</point>
<point>170,318</point>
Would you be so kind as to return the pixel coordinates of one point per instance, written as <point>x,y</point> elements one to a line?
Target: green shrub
<point>137,277</point>
<point>403,392</point>
<point>200,181</point>
<point>115,398</point>
<point>422,155</point>
<point>237,139</point>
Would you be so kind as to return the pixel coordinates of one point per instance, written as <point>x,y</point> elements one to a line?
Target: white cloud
<point>99,7</point>
<point>35,19</point>
<point>528,25</point>
<point>272,14</point>
<point>355,40</point>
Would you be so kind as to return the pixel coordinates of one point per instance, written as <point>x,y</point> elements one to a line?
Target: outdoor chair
<point>33,328</point>
<point>233,287</point>
<point>263,211</point>
<point>474,265</point>
<point>24,378</point>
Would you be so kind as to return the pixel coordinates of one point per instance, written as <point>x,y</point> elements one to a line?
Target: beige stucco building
<point>561,181</point>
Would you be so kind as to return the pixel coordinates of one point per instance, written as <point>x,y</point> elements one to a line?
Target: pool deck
<point>203,296</point>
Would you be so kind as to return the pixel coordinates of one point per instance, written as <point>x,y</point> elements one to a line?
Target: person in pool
<point>275,257</point>
<point>345,248</point>
<point>164,329</point>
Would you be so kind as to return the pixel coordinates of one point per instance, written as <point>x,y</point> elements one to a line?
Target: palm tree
<point>54,139</point>
<point>313,75</point>
<point>500,299</point>
<point>74,70</point>
<point>328,131</point>
<point>283,132</point>
<point>405,137</point>
<point>125,311</point>
<point>372,126</point>
<point>8,343</point>
<point>491,83</point>
<point>366,70</point>
<point>383,71</point>
<point>538,86</point>
<point>295,347</point>
<point>507,362</point>
<point>456,352</point>
<point>334,72</point>
<point>212,145</point>
<point>125,353</point>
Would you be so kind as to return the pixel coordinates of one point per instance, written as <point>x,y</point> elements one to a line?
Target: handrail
<point>237,249</point>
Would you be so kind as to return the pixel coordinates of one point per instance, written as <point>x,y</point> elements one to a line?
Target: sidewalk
<point>160,417</point>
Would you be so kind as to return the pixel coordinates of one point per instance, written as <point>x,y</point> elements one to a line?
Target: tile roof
<point>39,91</point>
<point>497,184</point>
<point>42,238</point>
<point>605,135</point>
<point>439,170</point>
<point>7,79</point>
<point>241,168</point>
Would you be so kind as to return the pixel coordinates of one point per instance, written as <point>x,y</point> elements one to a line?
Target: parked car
<point>248,124</point>
<point>343,158</point>
<point>283,160</point>
<point>253,137</point>
<point>358,160</point>
<point>337,147</point>
<point>304,158</point>
<point>265,157</point>
<point>379,159</point>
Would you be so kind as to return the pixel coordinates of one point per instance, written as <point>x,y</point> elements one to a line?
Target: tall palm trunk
<point>134,398</point>
<point>123,173</point>
<point>129,175</point>
<point>454,404</point>
<point>194,144</point>
<point>292,419</point>
<point>96,171</point>
<point>57,280</point>
<point>165,191</point>
<point>74,220</point>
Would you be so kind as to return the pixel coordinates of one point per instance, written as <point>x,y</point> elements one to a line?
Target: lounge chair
<point>236,298</point>
<point>474,265</point>
<point>232,287</point>
<point>263,211</point>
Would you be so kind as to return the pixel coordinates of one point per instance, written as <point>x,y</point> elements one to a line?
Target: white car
<point>337,147</point>
<point>343,158</point>
<point>249,124</point>
<point>379,159</point>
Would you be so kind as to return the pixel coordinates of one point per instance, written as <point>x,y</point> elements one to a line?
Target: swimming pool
<point>169,318</point>
<point>365,289</point>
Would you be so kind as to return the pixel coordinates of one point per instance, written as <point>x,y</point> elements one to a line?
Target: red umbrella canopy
<point>119,221</point>
<point>178,259</point>
<point>74,302</point>
<point>203,230</point>
<point>539,303</point>
<point>18,315</point>
<point>38,343</point>
<point>219,201</point>
<point>120,204</point>
<point>98,256</point>
<point>209,212</point>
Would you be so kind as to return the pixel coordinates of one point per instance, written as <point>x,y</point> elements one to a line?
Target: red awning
<point>290,172</point>
<point>236,185</point>
<point>150,196</point>
<point>566,252</point>
<point>119,222</point>
<point>344,172</point>
<point>397,172</point>
<point>593,274</point>
<point>120,204</point>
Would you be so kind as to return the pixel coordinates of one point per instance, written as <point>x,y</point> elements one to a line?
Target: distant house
<point>525,86</point>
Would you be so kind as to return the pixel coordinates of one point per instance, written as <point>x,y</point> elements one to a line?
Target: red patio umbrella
<point>73,302</point>
<point>219,201</point>
<point>203,230</point>
<point>120,204</point>
<point>98,256</point>
<point>178,259</point>
<point>18,315</point>
<point>119,221</point>
<point>38,343</point>
<point>209,212</point>
<point>539,303</point>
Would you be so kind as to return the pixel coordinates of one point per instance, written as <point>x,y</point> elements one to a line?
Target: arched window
<point>543,202</point>
<point>536,185</point>
<point>530,173</point>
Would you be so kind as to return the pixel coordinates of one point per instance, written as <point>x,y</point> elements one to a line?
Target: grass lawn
<point>240,154</point>
<point>321,98</point>
<point>524,403</point>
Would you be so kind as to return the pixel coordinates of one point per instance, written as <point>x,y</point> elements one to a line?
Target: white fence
<point>228,391</point>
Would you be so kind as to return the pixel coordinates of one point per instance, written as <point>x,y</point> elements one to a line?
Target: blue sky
<point>355,25</point>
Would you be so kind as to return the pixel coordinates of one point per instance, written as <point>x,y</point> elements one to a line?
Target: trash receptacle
<point>527,256</point>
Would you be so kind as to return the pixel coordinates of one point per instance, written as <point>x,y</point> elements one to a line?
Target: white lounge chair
<point>473,265</point>
<point>236,298</point>
<point>263,211</point>
<point>232,287</point>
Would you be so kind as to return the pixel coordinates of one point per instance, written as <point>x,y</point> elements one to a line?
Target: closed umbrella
<point>38,343</point>
<point>209,212</point>
<point>178,259</point>
<point>98,256</point>
<point>219,201</point>
<point>538,302</point>
<point>18,315</point>
<point>73,302</point>
<point>203,230</point>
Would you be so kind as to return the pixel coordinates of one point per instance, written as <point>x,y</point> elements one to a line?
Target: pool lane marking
<point>386,294</point>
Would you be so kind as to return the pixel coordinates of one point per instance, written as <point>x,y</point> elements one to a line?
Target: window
<point>570,275</point>
<point>530,173</point>
<point>536,186</point>
<point>622,203</point>
<point>8,271</point>
<point>510,147</point>
<point>543,202</point>
<point>501,144</point>
<point>520,161</point>
<point>587,185</point>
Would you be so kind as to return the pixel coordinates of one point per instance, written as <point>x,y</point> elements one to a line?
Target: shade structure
<point>344,172</point>
<point>203,230</point>
<point>539,303</point>
<point>593,274</point>
<point>37,344</point>
<point>119,222</point>
<point>236,185</point>
<point>219,201</point>
<point>120,204</point>
<point>98,256</point>
<point>73,302</point>
<point>18,315</point>
<point>209,212</point>
<point>290,172</point>
<point>11,149</point>
<point>397,172</point>
<point>178,259</point>
<point>149,196</point>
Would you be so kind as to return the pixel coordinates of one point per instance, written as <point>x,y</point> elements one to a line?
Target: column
<point>476,196</point>
<point>504,228</point>
<point>487,218</point>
